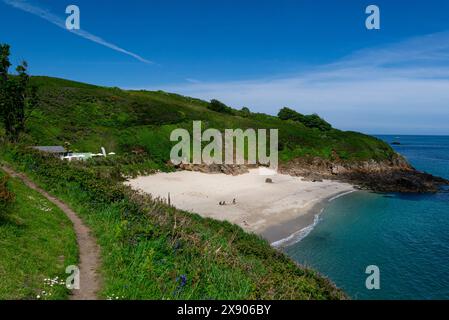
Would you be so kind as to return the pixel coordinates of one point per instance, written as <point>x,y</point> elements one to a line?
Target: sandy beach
<point>279,211</point>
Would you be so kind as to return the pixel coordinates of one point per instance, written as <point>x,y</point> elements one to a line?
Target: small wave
<point>304,232</point>
<point>341,195</point>
<point>298,235</point>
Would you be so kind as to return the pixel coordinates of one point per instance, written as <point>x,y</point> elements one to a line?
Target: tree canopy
<point>16,96</point>
<point>219,106</point>
<point>310,121</point>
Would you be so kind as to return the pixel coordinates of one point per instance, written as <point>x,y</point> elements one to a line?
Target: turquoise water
<point>406,236</point>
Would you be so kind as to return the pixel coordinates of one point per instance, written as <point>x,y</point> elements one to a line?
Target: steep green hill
<point>151,250</point>
<point>90,116</point>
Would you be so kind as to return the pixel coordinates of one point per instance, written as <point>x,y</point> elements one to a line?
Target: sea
<point>404,236</point>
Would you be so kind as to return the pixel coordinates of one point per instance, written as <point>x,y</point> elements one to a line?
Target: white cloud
<point>50,17</point>
<point>401,88</point>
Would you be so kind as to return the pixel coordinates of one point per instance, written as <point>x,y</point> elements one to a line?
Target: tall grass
<point>37,243</point>
<point>153,251</point>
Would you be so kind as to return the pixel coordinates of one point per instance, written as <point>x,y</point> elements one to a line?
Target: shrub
<point>289,114</point>
<point>315,121</point>
<point>245,112</point>
<point>310,121</point>
<point>219,106</point>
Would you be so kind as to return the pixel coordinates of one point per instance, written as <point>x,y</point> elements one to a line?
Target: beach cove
<point>282,211</point>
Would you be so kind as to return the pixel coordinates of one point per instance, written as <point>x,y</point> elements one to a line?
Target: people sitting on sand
<point>223,203</point>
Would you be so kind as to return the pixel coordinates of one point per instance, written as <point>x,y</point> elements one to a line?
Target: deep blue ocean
<point>406,236</point>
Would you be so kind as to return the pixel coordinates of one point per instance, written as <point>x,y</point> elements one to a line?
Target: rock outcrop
<point>215,168</point>
<point>394,175</point>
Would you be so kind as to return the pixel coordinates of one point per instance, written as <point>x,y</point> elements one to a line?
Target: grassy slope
<point>36,242</point>
<point>89,116</point>
<point>148,247</point>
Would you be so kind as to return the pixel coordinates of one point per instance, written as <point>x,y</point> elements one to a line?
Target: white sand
<point>284,206</point>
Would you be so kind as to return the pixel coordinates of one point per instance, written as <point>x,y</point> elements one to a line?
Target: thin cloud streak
<point>48,16</point>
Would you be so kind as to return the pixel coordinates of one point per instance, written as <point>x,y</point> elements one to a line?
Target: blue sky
<point>314,56</point>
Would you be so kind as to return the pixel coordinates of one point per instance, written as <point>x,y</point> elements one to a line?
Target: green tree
<point>315,121</point>
<point>310,121</point>
<point>219,106</point>
<point>290,114</point>
<point>245,112</point>
<point>16,96</point>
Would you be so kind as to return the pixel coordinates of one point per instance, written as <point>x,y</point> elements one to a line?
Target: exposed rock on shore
<point>395,175</point>
<point>215,168</point>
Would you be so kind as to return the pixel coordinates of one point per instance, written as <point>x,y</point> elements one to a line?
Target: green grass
<point>148,248</point>
<point>90,116</point>
<point>37,242</point>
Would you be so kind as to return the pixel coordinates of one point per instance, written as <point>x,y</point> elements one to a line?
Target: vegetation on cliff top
<point>153,251</point>
<point>140,122</point>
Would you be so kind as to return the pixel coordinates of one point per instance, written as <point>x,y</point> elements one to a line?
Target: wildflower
<point>183,279</point>
<point>182,282</point>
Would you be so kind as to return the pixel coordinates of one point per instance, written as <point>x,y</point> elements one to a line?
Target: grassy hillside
<point>89,116</point>
<point>153,251</point>
<point>37,242</point>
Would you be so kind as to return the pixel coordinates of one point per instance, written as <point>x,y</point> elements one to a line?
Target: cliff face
<point>394,175</point>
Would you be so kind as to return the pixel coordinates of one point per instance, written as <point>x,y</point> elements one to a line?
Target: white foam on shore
<point>298,235</point>
<point>304,232</point>
<point>341,195</point>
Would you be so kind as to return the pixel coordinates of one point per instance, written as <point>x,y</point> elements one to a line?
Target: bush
<point>310,121</point>
<point>6,196</point>
<point>315,121</point>
<point>54,171</point>
<point>219,106</point>
<point>244,112</point>
<point>289,114</point>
